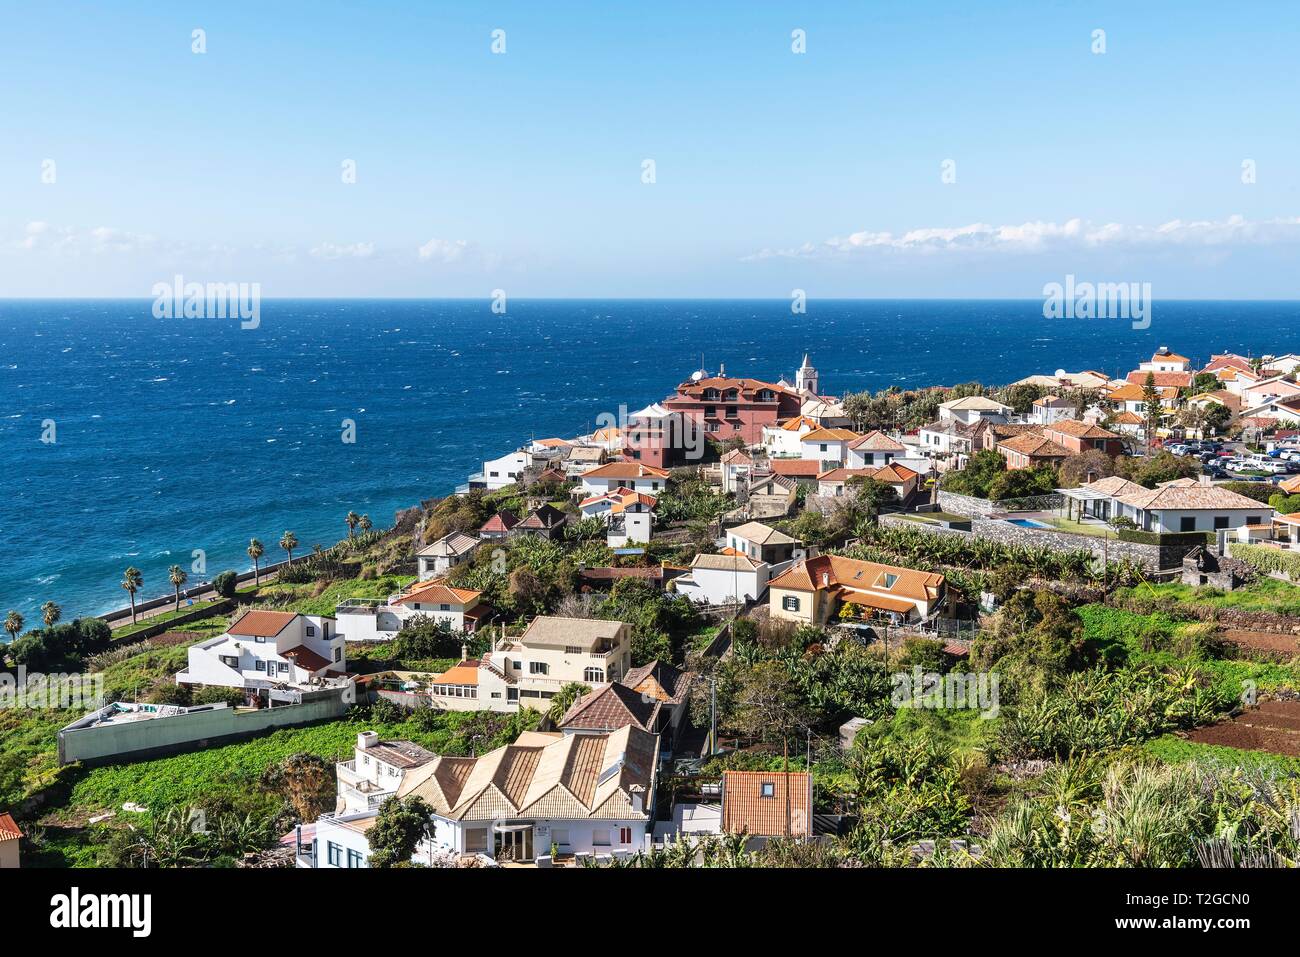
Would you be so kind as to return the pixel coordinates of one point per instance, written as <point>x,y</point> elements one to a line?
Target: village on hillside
<point>752,623</point>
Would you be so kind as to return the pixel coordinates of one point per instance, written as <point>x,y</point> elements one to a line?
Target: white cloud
<point>444,250</point>
<point>1035,236</point>
<point>347,251</point>
<point>41,236</point>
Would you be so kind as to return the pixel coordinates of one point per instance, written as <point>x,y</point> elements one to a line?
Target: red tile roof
<point>262,624</point>
<point>9,830</point>
<point>805,468</point>
<point>304,657</point>
<point>437,592</point>
<point>502,521</point>
<point>745,808</point>
<point>1179,379</point>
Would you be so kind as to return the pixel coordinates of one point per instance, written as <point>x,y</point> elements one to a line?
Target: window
<point>355,859</point>
<point>517,665</point>
<point>625,835</point>
<point>444,607</point>
<point>890,579</point>
<point>334,853</point>
<point>311,631</point>
<point>261,665</point>
<point>259,639</point>
<point>1187,523</point>
<point>767,789</point>
<point>338,654</point>
<point>282,667</point>
<point>231,661</point>
<point>790,603</point>
<point>1253,520</point>
<point>593,674</point>
<point>572,650</point>
<point>476,840</point>
<point>538,668</point>
<point>600,837</point>
<point>1220,521</point>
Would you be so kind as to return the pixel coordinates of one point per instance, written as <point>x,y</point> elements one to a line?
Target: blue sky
<point>774,171</point>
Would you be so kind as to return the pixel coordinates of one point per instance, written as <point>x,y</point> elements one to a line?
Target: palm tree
<point>132,581</point>
<point>50,613</point>
<point>176,575</point>
<point>289,541</point>
<point>563,699</point>
<point>353,521</point>
<point>364,523</point>
<point>255,551</point>
<point>13,624</point>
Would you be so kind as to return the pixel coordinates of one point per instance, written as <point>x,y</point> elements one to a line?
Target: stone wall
<point>1151,557</point>
<point>983,507</point>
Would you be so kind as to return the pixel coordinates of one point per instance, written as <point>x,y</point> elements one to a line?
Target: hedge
<point>1163,538</point>
<point>1267,560</point>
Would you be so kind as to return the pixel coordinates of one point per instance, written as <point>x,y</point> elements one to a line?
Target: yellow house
<point>814,590</point>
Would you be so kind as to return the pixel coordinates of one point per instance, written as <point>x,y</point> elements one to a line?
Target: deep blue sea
<point>179,434</point>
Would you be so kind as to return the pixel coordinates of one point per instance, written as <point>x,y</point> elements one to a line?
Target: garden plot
<point>1273,726</point>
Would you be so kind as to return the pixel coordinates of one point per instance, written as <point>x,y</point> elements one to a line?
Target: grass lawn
<point>1263,594</point>
<point>701,639</point>
<point>300,598</point>
<point>1079,528</point>
<point>1175,750</point>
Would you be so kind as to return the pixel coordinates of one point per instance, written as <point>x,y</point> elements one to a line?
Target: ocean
<point>180,434</point>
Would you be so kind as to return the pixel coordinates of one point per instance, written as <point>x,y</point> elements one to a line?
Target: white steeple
<point>805,380</point>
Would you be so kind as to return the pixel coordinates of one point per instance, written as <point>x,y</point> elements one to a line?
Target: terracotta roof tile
<point>756,802</point>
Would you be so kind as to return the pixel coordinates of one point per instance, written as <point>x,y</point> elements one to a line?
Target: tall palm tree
<point>13,624</point>
<point>51,613</point>
<point>176,575</point>
<point>353,521</point>
<point>132,581</point>
<point>364,523</point>
<point>289,541</point>
<point>255,551</point>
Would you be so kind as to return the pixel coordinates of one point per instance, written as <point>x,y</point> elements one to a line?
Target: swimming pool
<point>1026,523</point>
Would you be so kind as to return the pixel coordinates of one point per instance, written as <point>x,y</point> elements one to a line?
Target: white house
<point>723,579</point>
<point>581,794</point>
<point>503,471</point>
<point>636,476</point>
<point>1049,409</point>
<point>762,542</point>
<point>826,445</point>
<point>270,651</point>
<point>628,515</point>
<point>375,771</point>
<point>873,450</point>
<point>1183,505</point>
<point>365,619</point>
<point>1285,409</point>
<point>1165,361</point>
<point>736,466</point>
<point>446,553</point>
<point>836,482</point>
<point>970,409</point>
<point>782,440</point>
<point>1284,364</point>
<point>1266,390</point>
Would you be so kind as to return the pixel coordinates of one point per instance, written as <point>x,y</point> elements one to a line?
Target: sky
<point>914,149</point>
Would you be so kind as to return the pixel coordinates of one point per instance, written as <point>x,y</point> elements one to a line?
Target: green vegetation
<point>1263,594</point>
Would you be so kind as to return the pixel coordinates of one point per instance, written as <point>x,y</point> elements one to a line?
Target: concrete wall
<point>155,737</point>
<point>983,507</point>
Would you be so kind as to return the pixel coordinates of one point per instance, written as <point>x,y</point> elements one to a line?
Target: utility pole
<point>785,749</point>
<point>713,715</point>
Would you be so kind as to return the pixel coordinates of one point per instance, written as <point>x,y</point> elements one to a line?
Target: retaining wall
<point>983,507</point>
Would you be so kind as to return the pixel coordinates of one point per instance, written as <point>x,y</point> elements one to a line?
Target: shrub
<point>224,584</point>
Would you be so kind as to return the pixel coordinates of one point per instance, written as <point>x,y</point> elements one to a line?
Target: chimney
<point>464,651</point>
<point>367,739</point>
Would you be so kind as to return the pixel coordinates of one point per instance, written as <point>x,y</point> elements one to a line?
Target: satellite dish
<point>1060,373</point>
<point>697,375</point>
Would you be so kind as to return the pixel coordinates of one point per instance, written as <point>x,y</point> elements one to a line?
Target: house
<point>628,515</point>
<point>500,472</point>
<point>946,437</point>
<point>446,553</point>
<point>1077,437</point>
<point>782,439</point>
<point>553,652</point>
<point>1228,360</point>
<point>457,609</point>
<point>836,482</point>
<point>1129,423</point>
<point>801,471</point>
<point>1178,506</point>
<point>654,698</point>
<point>375,772</point>
<point>582,458</point>
<point>11,837</point>
<point>635,476</point>
<point>474,684</point>
<point>498,527</point>
<point>1218,397</point>
<point>988,435</point>
<point>578,793</point>
<point>970,409</point>
<point>1165,361</point>
<point>762,542</point>
<point>826,412</point>
<point>1178,380</point>
<point>826,445</point>
<point>660,437</point>
<point>736,466</point>
<point>1065,381</point>
<point>723,579</point>
<point>724,407</point>
<point>767,804</point>
<point>815,590</point>
<point>771,496</point>
<point>1236,380</point>
<point>1285,365</point>
<point>272,655</point>
<point>1131,397</point>
<point>546,521</point>
<point>1049,408</point>
<point>1265,390</point>
<point>1030,450</point>
<point>873,450</point>
<point>1274,411</point>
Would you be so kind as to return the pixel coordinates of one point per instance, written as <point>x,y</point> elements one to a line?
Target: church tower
<point>805,380</point>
